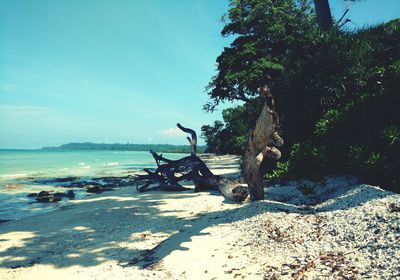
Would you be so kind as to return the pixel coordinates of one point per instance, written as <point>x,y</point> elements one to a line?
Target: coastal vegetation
<point>336,91</point>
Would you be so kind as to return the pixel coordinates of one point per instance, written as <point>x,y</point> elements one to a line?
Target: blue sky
<point>116,71</point>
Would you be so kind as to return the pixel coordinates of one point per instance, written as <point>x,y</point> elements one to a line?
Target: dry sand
<point>124,234</point>
<point>331,232</point>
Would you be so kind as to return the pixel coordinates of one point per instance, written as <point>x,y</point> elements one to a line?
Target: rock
<point>94,189</point>
<point>55,199</point>
<point>43,199</point>
<point>47,199</point>
<point>59,195</point>
<point>70,194</point>
<point>394,208</point>
<point>43,194</point>
<point>66,179</point>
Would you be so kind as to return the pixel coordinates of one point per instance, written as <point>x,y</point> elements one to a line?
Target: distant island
<point>161,148</point>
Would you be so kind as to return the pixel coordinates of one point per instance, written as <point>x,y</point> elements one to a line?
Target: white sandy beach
<point>354,232</point>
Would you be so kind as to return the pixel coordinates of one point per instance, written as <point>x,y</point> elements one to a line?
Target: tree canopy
<point>266,35</point>
<point>336,91</point>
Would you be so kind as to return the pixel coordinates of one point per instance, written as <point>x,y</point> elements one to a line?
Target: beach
<point>341,230</point>
<point>200,140</point>
<point>23,172</point>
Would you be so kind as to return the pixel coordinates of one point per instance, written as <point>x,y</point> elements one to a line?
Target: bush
<point>358,130</point>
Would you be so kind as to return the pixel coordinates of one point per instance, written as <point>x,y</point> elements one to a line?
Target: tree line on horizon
<point>162,148</point>
<point>337,91</point>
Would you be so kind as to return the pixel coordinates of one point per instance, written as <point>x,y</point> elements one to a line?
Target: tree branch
<point>193,141</point>
<point>341,18</point>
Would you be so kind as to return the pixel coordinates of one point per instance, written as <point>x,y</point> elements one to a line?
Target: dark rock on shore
<point>70,194</point>
<point>43,194</point>
<point>47,199</point>
<point>94,189</point>
<point>92,185</point>
<point>76,182</point>
<point>60,195</point>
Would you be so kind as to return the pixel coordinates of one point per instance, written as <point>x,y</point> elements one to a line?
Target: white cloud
<point>172,132</point>
<point>24,110</point>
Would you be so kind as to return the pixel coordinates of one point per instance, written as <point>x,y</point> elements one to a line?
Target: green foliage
<point>362,136</point>
<point>337,92</point>
<point>391,134</point>
<point>267,32</point>
<point>211,135</point>
<point>281,171</point>
<point>307,160</point>
<point>231,137</point>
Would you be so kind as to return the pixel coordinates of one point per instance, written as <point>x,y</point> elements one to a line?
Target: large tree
<point>322,81</point>
<point>267,33</point>
<point>324,16</point>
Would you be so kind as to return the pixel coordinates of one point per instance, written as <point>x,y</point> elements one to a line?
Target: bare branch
<point>193,141</point>
<point>341,18</point>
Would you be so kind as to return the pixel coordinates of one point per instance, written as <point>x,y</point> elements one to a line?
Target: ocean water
<point>18,169</point>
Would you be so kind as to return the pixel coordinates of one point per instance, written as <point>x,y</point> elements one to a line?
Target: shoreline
<point>123,234</point>
<point>25,173</point>
<point>102,231</point>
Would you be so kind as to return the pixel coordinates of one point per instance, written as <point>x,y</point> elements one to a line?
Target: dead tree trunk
<point>170,172</point>
<point>261,145</point>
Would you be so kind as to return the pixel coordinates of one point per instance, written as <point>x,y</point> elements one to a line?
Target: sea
<point>21,169</point>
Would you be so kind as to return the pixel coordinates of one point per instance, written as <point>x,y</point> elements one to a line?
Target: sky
<point>117,71</point>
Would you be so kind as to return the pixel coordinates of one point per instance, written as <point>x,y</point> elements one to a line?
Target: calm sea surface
<point>19,167</point>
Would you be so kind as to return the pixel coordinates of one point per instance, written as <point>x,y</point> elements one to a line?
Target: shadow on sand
<point>113,228</point>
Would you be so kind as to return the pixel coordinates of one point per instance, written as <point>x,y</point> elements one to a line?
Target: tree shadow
<point>135,229</point>
<point>89,233</point>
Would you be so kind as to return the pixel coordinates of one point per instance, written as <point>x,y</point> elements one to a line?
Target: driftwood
<point>170,173</point>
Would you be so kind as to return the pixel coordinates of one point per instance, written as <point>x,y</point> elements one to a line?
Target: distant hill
<point>161,148</point>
